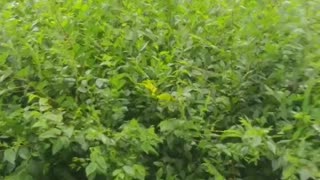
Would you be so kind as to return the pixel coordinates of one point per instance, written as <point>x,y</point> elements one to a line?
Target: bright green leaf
<point>10,155</point>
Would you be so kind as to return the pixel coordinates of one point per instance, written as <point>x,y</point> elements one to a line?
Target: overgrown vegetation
<point>168,89</point>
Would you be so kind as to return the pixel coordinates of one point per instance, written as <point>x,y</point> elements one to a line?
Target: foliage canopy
<point>169,89</point>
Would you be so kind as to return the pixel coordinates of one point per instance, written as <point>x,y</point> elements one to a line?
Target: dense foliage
<point>160,89</point>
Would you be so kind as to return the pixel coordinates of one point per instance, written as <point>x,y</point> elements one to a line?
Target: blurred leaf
<point>51,133</point>
<point>24,153</point>
<point>90,169</point>
<point>129,170</point>
<point>165,97</point>
<point>10,155</point>
<point>213,171</point>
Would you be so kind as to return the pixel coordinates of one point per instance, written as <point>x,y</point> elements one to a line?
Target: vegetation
<point>160,89</point>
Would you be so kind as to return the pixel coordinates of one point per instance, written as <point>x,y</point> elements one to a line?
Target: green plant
<point>172,89</point>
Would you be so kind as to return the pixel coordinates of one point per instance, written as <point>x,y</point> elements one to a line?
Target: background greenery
<point>168,89</point>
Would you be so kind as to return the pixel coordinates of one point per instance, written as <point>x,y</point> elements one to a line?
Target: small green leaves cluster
<point>159,89</point>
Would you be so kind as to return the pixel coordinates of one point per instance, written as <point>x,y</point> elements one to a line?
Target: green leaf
<point>44,105</point>
<point>288,172</point>
<point>140,171</point>
<point>169,125</point>
<point>3,58</point>
<point>31,97</point>
<point>82,89</point>
<point>10,155</point>
<point>23,175</point>
<point>24,153</point>
<point>68,131</point>
<point>129,170</point>
<point>306,101</point>
<point>213,171</point>
<point>159,173</point>
<point>305,174</point>
<point>40,124</point>
<point>5,74</point>
<point>51,133</point>
<point>118,81</point>
<point>231,133</point>
<point>165,97</point>
<point>101,162</point>
<point>57,146</point>
<point>100,82</point>
<point>116,172</point>
<point>91,169</point>
<point>23,73</point>
<point>272,146</point>
<point>276,164</point>
<point>53,116</point>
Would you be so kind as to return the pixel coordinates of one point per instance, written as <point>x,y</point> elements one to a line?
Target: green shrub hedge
<point>160,89</point>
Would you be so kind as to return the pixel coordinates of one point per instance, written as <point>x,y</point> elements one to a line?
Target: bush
<point>172,89</point>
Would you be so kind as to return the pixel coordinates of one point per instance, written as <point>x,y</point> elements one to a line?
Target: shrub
<point>172,89</point>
